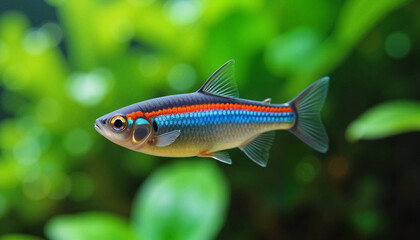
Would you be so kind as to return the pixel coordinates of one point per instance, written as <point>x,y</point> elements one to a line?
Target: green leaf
<point>88,226</point>
<point>185,200</point>
<point>355,20</point>
<point>358,16</point>
<point>386,120</point>
<point>19,237</point>
<point>285,53</point>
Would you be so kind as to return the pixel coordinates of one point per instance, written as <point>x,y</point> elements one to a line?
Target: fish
<point>208,122</point>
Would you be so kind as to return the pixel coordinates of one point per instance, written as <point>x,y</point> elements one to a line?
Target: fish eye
<point>118,123</point>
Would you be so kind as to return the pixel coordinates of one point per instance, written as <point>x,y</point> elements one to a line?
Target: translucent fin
<point>222,82</point>
<point>221,156</point>
<point>268,100</point>
<point>167,138</point>
<point>308,126</point>
<point>258,148</point>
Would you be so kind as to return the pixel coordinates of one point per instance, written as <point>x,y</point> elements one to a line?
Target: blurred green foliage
<point>180,201</point>
<point>90,225</point>
<point>386,120</point>
<point>63,63</point>
<point>184,201</point>
<point>18,237</point>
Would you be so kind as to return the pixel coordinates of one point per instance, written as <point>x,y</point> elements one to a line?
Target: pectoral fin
<point>257,148</point>
<point>221,156</point>
<point>167,138</point>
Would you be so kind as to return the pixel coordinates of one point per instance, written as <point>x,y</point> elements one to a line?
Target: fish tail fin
<point>307,105</point>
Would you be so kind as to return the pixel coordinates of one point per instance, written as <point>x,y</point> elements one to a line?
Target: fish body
<point>213,119</point>
<point>211,123</point>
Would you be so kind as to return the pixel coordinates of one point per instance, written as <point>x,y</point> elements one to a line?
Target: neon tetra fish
<point>213,119</point>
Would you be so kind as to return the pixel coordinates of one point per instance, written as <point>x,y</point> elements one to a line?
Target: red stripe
<point>206,107</point>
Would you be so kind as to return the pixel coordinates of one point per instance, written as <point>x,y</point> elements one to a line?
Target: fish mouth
<point>98,127</point>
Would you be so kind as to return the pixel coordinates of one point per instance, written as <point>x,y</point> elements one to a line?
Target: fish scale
<point>214,119</point>
<point>216,129</point>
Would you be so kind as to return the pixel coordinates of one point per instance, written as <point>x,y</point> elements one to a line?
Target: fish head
<point>121,128</point>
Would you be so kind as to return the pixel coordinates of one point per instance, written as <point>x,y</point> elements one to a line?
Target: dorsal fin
<point>222,83</point>
<point>268,100</point>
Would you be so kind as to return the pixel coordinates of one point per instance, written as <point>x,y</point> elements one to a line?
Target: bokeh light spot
<point>77,142</point>
<point>369,189</point>
<point>37,189</point>
<point>183,12</point>
<point>55,32</point>
<point>90,89</point>
<point>27,151</point>
<point>41,134</point>
<point>305,172</point>
<point>366,222</point>
<point>36,41</point>
<point>48,110</point>
<point>288,52</point>
<point>123,30</point>
<point>181,77</point>
<point>60,187</point>
<point>338,167</point>
<point>307,169</point>
<point>397,45</point>
<point>28,173</point>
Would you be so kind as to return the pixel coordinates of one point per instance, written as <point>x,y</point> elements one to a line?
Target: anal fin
<point>222,156</point>
<point>257,148</point>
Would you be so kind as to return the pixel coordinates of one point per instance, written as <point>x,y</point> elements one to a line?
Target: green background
<point>63,63</point>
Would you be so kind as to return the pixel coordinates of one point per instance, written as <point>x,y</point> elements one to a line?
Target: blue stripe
<point>223,117</point>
